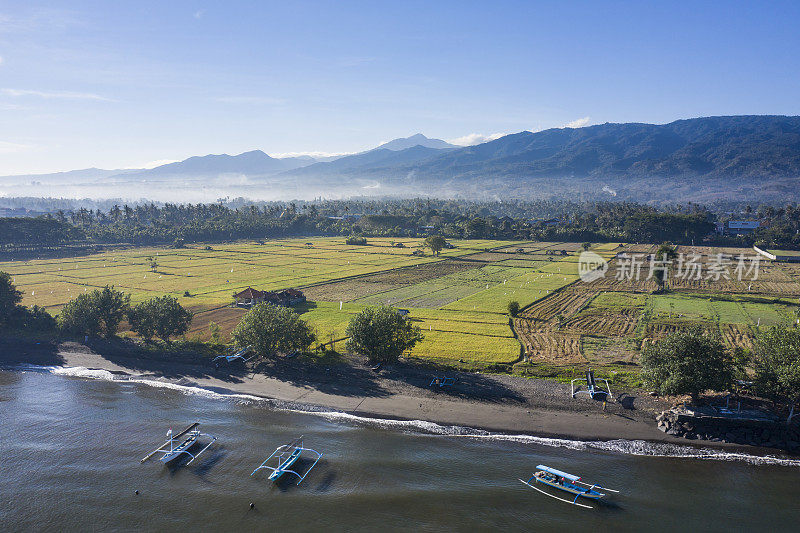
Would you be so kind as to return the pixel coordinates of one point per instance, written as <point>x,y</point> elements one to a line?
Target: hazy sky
<point>123,84</point>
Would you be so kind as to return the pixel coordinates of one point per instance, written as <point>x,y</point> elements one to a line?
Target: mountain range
<point>732,157</point>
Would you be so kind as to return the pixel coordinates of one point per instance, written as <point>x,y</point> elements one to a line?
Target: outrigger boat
<point>568,483</point>
<point>285,456</point>
<point>240,355</point>
<point>593,389</point>
<point>189,435</point>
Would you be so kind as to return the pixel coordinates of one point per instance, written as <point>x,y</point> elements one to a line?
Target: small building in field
<point>403,312</point>
<point>285,298</point>
<point>249,297</point>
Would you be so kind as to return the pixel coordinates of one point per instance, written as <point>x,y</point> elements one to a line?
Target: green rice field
<point>458,298</point>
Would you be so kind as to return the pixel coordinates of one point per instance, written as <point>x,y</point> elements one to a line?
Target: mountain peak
<point>417,139</point>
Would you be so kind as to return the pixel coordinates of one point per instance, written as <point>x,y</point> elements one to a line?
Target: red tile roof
<point>250,293</point>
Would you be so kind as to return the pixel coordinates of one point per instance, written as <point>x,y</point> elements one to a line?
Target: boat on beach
<point>566,482</point>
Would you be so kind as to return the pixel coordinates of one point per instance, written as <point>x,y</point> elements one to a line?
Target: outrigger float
<point>174,451</point>
<point>568,483</point>
<point>285,456</point>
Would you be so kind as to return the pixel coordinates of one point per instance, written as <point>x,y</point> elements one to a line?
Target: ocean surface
<point>71,441</point>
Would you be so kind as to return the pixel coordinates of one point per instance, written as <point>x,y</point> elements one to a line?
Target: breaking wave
<point>422,427</point>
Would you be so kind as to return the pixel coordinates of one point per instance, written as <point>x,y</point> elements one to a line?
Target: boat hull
<point>179,450</point>
<point>572,489</point>
<point>283,467</point>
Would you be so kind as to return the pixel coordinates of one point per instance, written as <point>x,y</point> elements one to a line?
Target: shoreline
<point>500,404</point>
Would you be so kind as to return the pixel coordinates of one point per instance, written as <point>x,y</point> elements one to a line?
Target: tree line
<point>95,314</point>
<point>549,220</point>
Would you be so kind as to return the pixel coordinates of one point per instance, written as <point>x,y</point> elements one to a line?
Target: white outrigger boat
<point>189,435</point>
<point>568,483</point>
<point>285,456</point>
<point>238,356</point>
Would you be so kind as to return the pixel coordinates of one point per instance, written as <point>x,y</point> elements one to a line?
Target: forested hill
<point>717,147</point>
<point>713,157</point>
<point>708,160</point>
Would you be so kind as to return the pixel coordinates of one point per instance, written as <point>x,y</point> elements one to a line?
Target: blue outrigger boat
<point>285,456</point>
<point>566,482</point>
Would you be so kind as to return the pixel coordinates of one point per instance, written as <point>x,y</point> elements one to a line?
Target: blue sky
<point>125,84</point>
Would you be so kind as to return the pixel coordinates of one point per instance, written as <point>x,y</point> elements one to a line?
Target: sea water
<point>71,441</point>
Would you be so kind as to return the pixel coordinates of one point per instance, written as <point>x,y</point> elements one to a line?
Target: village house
<point>286,298</point>
<point>249,297</point>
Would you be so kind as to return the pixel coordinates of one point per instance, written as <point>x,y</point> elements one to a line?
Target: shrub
<point>382,334</point>
<point>215,331</point>
<point>356,240</point>
<point>436,243</point>
<point>270,329</point>
<point>162,317</point>
<point>776,359</point>
<point>94,313</point>
<point>513,308</point>
<point>688,362</point>
<point>9,297</point>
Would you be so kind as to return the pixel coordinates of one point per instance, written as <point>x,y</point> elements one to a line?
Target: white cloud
<point>199,13</point>
<point>266,100</point>
<point>12,148</point>
<point>577,123</point>
<point>475,138</point>
<point>55,94</point>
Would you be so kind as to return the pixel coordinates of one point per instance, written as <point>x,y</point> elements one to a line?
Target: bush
<point>35,319</point>
<point>270,329</point>
<point>776,359</point>
<point>688,362</point>
<point>96,312</point>
<point>513,308</point>
<point>162,317</point>
<point>215,331</point>
<point>435,243</point>
<point>356,240</point>
<point>9,297</point>
<point>382,334</point>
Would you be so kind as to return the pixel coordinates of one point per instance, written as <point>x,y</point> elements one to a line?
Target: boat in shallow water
<point>170,451</point>
<point>566,482</point>
<point>285,456</point>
